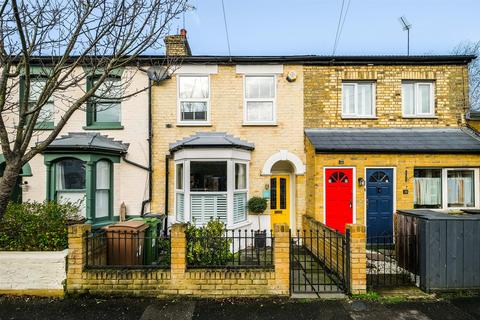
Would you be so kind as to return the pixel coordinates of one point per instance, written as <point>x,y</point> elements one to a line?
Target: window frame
<point>110,191</point>
<point>273,100</point>
<point>92,124</point>
<point>444,185</point>
<point>180,100</point>
<point>356,115</point>
<point>416,105</point>
<point>229,193</point>
<point>48,125</point>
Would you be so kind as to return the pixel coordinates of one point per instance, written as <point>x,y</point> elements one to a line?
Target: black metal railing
<point>392,261</point>
<point>232,249</point>
<point>123,249</point>
<point>318,261</point>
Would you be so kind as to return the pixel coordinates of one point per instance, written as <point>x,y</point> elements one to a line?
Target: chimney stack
<point>177,45</point>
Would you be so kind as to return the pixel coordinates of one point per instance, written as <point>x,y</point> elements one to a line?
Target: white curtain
<point>240,176</point>
<point>348,99</point>
<point>428,191</point>
<point>460,191</point>
<point>60,175</point>
<point>102,189</point>
<point>260,111</point>
<point>408,98</point>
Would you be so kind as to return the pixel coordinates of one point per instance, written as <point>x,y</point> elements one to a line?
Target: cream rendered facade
<point>278,146</point>
<point>130,183</point>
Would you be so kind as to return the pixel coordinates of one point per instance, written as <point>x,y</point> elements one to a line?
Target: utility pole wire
<point>226,30</point>
<point>341,23</point>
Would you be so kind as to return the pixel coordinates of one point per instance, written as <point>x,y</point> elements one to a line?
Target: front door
<point>279,200</point>
<point>379,203</point>
<point>338,198</point>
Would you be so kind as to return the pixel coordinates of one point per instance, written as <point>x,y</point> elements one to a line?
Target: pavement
<point>252,309</point>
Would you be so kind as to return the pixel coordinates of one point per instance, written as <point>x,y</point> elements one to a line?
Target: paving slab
<point>176,310</point>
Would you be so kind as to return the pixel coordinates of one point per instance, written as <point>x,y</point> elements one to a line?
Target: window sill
<point>420,117</point>
<point>202,124</point>
<point>358,118</point>
<point>104,126</point>
<point>259,124</point>
<point>44,127</point>
<point>240,224</point>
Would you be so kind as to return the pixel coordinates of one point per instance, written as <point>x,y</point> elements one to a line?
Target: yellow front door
<point>279,200</point>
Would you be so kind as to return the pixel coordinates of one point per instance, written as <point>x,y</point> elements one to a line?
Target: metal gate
<point>318,262</point>
<point>392,261</point>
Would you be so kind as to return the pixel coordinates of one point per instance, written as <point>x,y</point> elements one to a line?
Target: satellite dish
<point>158,74</point>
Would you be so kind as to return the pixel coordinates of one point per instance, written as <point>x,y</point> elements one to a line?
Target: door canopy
<point>284,155</point>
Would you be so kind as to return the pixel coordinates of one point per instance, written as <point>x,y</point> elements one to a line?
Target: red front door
<point>338,198</point>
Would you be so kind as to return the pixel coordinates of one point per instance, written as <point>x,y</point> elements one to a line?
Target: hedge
<point>36,226</point>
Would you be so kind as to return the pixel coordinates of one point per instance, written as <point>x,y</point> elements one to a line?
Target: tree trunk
<point>7,183</point>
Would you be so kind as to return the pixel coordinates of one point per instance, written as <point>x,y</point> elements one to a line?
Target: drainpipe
<point>167,173</point>
<point>149,139</point>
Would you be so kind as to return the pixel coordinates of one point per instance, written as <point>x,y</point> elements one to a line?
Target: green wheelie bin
<point>151,239</point>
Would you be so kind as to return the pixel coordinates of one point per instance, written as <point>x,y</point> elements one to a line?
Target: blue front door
<point>379,204</point>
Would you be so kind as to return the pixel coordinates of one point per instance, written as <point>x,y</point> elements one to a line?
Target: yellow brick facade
<point>226,107</point>
<point>403,164</point>
<point>323,95</point>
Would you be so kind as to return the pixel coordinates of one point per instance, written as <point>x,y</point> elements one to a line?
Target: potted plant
<point>258,205</point>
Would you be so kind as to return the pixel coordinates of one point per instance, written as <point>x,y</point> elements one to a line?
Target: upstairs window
<point>418,99</point>
<point>260,100</point>
<point>193,97</point>
<point>45,118</point>
<point>105,108</point>
<point>358,99</point>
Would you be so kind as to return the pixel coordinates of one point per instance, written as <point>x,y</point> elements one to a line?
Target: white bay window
<point>211,185</point>
<point>447,188</point>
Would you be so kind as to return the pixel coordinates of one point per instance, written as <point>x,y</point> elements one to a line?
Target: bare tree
<point>69,40</point>
<point>472,48</point>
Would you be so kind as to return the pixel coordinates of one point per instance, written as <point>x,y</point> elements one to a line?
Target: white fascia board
<point>196,69</point>
<point>260,69</point>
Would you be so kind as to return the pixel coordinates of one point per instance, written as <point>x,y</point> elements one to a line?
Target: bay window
<point>102,189</point>
<point>193,99</point>
<point>259,97</point>
<point>211,189</point>
<point>358,99</point>
<point>418,99</point>
<point>447,188</point>
<point>70,179</point>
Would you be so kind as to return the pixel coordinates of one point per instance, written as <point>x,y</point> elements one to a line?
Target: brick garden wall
<point>178,280</point>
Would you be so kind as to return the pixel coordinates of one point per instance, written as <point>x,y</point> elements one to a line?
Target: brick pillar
<point>178,262</point>
<point>358,258</point>
<point>76,256</point>
<point>281,256</point>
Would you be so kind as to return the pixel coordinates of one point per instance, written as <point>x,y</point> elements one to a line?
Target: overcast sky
<point>276,27</point>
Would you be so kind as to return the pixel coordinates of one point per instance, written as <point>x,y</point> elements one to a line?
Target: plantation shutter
<point>208,207</point>
<point>239,207</point>
<point>180,207</point>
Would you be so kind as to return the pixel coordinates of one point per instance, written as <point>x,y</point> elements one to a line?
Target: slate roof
<point>88,142</point>
<point>435,140</point>
<point>211,140</point>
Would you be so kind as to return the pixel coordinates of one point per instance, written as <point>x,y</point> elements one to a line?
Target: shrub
<point>36,226</point>
<point>257,205</point>
<point>208,246</point>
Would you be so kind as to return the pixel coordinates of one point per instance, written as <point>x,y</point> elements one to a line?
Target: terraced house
<point>387,133</point>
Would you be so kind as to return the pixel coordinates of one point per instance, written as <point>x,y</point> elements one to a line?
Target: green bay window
<point>80,169</point>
